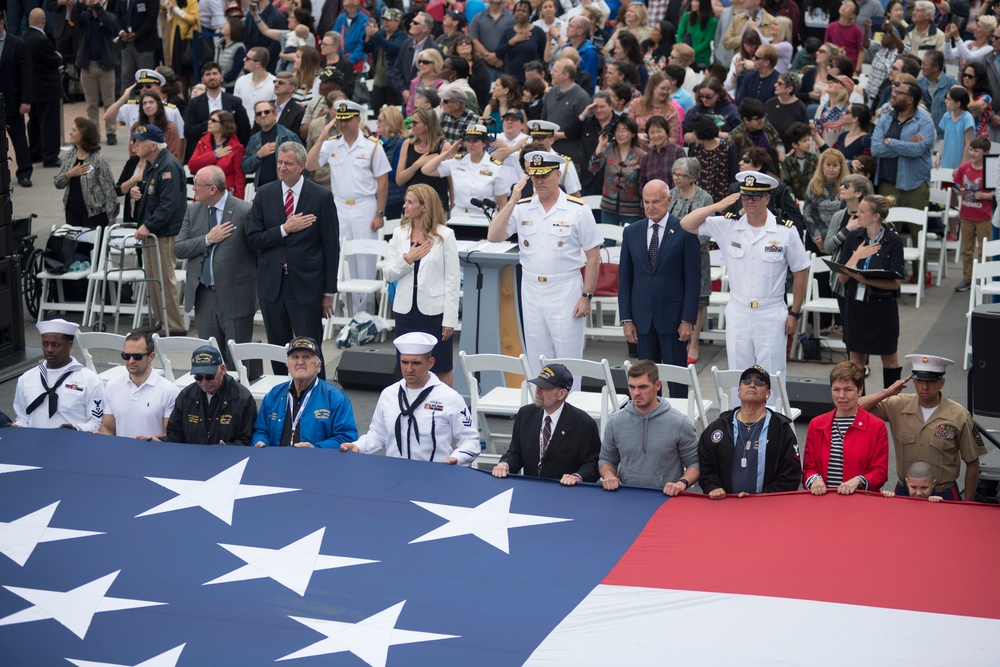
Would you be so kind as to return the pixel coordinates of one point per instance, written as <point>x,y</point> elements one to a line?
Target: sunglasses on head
<point>134,356</point>
<point>757,382</point>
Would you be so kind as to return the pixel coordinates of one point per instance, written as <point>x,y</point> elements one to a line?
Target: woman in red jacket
<point>846,449</point>
<point>220,147</point>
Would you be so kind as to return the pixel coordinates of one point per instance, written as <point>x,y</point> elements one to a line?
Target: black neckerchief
<point>49,392</point>
<point>407,410</point>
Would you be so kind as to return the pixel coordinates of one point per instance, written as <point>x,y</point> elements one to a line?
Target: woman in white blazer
<point>423,257</point>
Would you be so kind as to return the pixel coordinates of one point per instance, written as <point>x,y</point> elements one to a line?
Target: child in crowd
<point>975,209</point>
<point>798,168</point>
<point>919,482</point>
<point>958,127</point>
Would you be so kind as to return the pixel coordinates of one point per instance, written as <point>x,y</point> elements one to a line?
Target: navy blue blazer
<point>660,297</point>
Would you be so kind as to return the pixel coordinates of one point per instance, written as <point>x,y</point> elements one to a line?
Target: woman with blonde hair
<point>391,132</point>
<point>871,316</point>
<point>815,81</point>
<point>423,258</point>
<point>781,40</point>
<point>425,141</point>
<point>830,113</point>
<point>636,21</point>
<point>823,197</point>
<point>980,47</point>
<point>429,64</point>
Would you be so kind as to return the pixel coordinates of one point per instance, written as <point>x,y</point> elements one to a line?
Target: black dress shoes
<point>24,182</point>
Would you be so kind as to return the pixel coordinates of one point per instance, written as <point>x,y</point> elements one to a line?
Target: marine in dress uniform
<point>360,183</point>
<point>929,426</point>
<point>554,245</point>
<point>129,112</point>
<point>420,417</point>
<point>61,392</point>
<point>758,250</point>
<point>544,132</point>
<point>474,180</point>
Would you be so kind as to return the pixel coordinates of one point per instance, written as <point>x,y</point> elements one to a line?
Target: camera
<point>612,125</point>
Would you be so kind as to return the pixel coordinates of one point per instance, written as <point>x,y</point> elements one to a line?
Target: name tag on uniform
<point>736,245</point>
<point>946,431</point>
<point>434,405</point>
<point>527,223</point>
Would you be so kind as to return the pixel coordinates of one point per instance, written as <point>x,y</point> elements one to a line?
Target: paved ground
<point>937,327</point>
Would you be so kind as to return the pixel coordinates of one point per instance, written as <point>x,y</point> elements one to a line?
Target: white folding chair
<point>594,203</point>
<point>694,406</point>
<point>601,405</point>
<point>918,254</point>
<point>611,232</point>
<point>727,381</point>
<point>943,198</point>
<point>348,285</point>
<point>817,306</point>
<point>389,228</point>
<point>118,266</point>
<point>48,278</point>
<point>244,352</point>
<point>503,400</point>
<point>779,388</point>
<point>715,314</point>
<point>165,346</point>
<point>984,277</point>
<point>89,341</point>
<point>991,251</point>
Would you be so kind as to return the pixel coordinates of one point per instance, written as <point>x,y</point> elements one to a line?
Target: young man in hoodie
<point>647,443</point>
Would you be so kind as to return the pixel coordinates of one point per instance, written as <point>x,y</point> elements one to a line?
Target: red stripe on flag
<point>897,553</point>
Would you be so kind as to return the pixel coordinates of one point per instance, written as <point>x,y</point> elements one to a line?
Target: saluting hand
<point>728,201</point>
<point>515,194</point>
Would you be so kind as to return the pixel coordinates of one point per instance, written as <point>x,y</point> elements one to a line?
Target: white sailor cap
<point>415,342</point>
<point>346,109</point>
<point>755,181</point>
<point>928,367</point>
<point>58,326</point>
<point>542,128</point>
<point>542,162</point>
<point>150,76</point>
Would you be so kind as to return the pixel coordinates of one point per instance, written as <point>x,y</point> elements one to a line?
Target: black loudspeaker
<point>983,395</point>
<point>811,395</point>
<point>11,312</point>
<point>619,376</point>
<point>368,368</point>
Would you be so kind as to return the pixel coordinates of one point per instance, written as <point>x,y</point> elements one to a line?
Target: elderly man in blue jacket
<point>306,411</point>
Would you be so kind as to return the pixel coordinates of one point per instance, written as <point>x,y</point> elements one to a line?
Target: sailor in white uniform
<point>544,132</point>
<point>420,417</point>
<point>61,392</point>
<point>758,250</point>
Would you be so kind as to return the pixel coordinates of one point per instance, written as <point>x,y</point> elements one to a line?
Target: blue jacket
<point>914,166</point>
<point>354,37</point>
<point>327,419</point>
<point>936,103</point>
<point>588,61</point>
<point>250,160</point>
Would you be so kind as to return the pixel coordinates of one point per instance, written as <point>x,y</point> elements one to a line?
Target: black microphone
<point>490,203</point>
<point>478,203</point>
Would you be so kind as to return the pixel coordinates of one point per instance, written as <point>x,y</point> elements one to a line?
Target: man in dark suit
<point>15,74</point>
<point>221,283</point>
<point>551,438</point>
<point>137,23</point>
<point>295,232</point>
<point>198,109</point>
<point>659,280</point>
<point>44,93</point>
<point>290,113</point>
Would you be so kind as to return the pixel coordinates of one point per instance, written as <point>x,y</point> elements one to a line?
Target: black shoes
<point>24,181</point>
<point>112,140</point>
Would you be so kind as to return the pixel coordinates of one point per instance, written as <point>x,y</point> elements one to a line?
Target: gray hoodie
<point>649,450</point>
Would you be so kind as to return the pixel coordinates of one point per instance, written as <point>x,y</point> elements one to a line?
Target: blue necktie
<point>207,275</point>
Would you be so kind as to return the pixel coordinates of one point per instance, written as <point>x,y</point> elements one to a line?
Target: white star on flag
<point>10,467</point>
<point>74,609</point>
<point>291,566</point>
<point>216,495</point>
<point>19,537</point>
<point>369,639</point>
<point>165,659</point>
<point>489,521</point>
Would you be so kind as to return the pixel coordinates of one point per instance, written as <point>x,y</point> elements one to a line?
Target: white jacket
<point>438,282</point>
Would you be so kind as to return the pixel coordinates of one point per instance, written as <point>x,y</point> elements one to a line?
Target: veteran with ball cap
<point>758,250</point>
<point>215,409</point>
<point>307,411</point>
<point>557,236</point>
<point>420,417</point>
<point>929,426</point>
<point>552,438</point>
<point>60,392</point>
<point>544,132</point>
<point>359,179</point>
<point>474,175</point>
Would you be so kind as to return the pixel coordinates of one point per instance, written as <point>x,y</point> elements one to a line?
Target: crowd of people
<point>696,123</point>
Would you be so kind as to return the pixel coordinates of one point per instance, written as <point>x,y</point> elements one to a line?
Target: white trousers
<point>549,325</point>
<point>756,336</point>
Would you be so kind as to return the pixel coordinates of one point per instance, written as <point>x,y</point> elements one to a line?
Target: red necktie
<point>289,203</point>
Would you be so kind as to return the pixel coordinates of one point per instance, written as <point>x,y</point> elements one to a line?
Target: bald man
<point>44,92</point>
<point>659,280</point>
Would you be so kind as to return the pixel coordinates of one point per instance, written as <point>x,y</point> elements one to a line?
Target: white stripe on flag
<point>621,625</point>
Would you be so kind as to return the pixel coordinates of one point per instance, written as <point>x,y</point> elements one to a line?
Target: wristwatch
<point>687,484</point>
<point>797,315</point>
<point>588,296</point>
<point>381,214</point>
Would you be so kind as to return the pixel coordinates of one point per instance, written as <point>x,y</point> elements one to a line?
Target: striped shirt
<point>835,469</point>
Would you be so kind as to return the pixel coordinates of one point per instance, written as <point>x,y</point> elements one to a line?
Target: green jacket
<point>796,178</point>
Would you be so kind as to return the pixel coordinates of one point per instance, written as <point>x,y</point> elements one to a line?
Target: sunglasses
<point>263,113</point>
<point>146,86</point>
<point>757,382</point>
<point>135,356</point>
<point>968,75</point>
<point>199,377</point>
<point>253,60</point>
<point>425,62</point>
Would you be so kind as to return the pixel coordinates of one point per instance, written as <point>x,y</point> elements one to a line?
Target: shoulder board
<point>459,156</point>
<point>373,139</point>
<point>496,162</point>
<point>336,136</point>
<point>132,102</point>
<point>170,105</point>
<point>788,223</point>
<point>730,214</point>
<point>524,200</point>
<point>575,200</point>
<point>565,157</point>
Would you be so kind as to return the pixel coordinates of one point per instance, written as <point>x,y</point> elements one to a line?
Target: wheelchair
<point>32,263</point>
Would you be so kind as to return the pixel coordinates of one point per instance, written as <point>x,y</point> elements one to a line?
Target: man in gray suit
<point>222,269</point>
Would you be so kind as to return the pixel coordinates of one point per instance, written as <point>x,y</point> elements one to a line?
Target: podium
<point>491,313</point>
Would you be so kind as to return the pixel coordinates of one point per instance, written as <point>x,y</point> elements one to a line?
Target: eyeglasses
<point>752,197</point>
<point>425,62</point>
<point>746,158</point>
<point>202,185</point>
<point>253,60</point>
<point>146,86</point>
<point>757,382</point>
<point>213,120</point>
<point>135,356</point>
<point>199,377</point>
<point>266,112</point>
